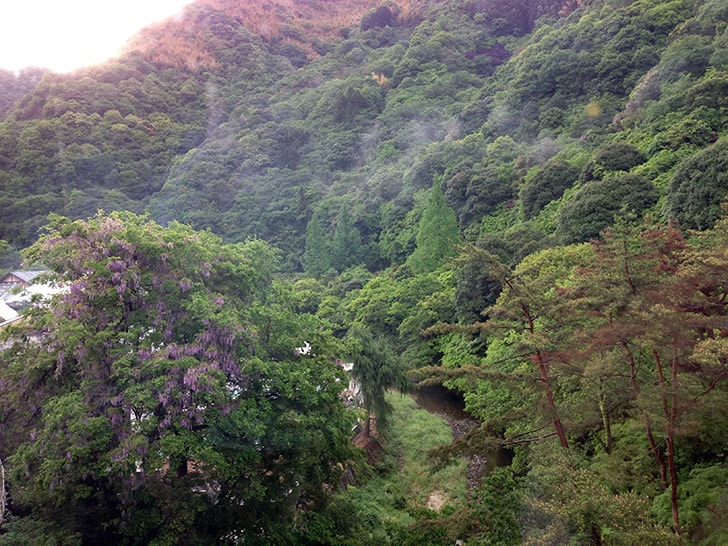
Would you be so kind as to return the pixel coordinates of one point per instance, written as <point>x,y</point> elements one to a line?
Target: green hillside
<point>519,199</point>
<point>267,133</point>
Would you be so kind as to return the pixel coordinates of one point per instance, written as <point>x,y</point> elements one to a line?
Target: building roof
<point>16,294</point>
<point>25,276</point>
<point>7,314</point>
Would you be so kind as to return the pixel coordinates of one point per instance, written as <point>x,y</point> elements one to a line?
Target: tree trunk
<point>645,416</point>
<point>544,374</point>
<point>671,424</point>
<point>655,449</point>
<point>669,410</point>
<point>607,425</point>
<point>550,397</point>
<point>368,426</point>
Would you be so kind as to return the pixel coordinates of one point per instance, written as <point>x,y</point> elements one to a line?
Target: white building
<point>18,289</point>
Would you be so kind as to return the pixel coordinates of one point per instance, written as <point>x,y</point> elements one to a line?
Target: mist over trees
<point>522,201</point>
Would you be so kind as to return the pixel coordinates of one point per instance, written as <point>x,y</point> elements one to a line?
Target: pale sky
<point>67,34</point>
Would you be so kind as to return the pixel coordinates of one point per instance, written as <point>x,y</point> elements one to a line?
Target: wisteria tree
<point>144,405</point>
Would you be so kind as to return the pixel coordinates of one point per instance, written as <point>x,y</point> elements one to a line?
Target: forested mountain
<point>521,199</point>
<point>248,122</point>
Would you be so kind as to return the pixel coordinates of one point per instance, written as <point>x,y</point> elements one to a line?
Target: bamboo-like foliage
<point>377,369</point>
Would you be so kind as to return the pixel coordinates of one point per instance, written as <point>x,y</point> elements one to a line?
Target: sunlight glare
<point>63,35</point>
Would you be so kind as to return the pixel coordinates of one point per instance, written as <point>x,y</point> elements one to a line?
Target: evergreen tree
<point>346,246</point>
<point>437,234</point>
<point>317,255</point>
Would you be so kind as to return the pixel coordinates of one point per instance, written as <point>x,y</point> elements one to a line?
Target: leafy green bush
<point>597,203</point>
<point>545,185</point>
<point>701,498</point>
<point>617,156</point>
<point>698,187</point>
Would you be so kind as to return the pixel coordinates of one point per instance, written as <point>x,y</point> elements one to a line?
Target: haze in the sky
<point>67,34</point>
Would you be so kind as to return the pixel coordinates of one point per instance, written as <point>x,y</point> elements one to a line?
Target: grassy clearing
<point>414,432</point>
<point>404,499</point>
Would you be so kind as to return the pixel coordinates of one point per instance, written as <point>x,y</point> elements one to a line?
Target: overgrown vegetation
<point>403,501</point>
<point>520,200</point>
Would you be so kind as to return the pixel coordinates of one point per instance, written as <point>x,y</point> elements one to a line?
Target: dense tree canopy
<point>146,395</point>
<point>546,185</point>
<point>597,203</point>
<point>219,127</point>
<point>426,175</point>
<point>699,186</point>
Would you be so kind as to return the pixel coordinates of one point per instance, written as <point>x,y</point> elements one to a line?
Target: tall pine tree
<point>317,255</point>
<point>346,245</point>
<point>437,234</point>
